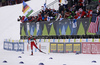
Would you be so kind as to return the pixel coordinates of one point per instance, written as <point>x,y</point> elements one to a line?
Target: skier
<point>32,42</point>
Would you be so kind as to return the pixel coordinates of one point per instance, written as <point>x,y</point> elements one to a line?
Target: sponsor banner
<point>51,40</point>
<point>53,48</point>
<point>91,48</point>
<point>74,40</point>
<point>86,48</point>
<point>37,40</point>
<point>86,40</point>
<point>83,40</point>
<point>60,48</point>
<point>92,40</point>
<point>61,40</point>
<point>77,40</point>
<point>89,40</point>
<point>76,47</point>
<point>65,47</point>
<point>56,40</point>
<point>96,40</point>
<point>99,40</point>
<point>14,46</point>
<point>95,48</point>
<point>80,40</point>
<point>66,40</point>
<point>42,40</point>
<point>46,40</point>
<point>71,40</point>
<point>68,47</point>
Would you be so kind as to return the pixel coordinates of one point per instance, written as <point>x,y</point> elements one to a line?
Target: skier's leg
<point>35,45</point>
<point>31,48</point>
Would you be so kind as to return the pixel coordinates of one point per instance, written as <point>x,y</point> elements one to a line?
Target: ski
<point>41,51</point>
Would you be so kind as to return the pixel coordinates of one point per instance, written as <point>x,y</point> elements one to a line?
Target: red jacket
<point>83,13</point>
<point>89,13</point>
<point>22,20</point>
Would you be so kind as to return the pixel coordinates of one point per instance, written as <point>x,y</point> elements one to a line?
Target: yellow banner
<point>60,47</point>
<point>76,47</point>
<point>68,47</point>
<point>53,47</point>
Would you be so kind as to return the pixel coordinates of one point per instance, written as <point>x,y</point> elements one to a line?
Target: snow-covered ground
<point>10,29</point>
<point>58,58</point>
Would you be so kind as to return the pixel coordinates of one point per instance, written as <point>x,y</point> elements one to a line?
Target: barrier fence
<point>84,47</point>
<point>65,47</point>
<point>13,46</point>
<point>57,29</point>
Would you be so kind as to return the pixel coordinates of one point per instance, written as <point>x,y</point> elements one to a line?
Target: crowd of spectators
<point>10,2</point>
<point>76,11</point>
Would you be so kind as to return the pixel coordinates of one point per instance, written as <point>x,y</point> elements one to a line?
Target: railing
<point>48,6</point>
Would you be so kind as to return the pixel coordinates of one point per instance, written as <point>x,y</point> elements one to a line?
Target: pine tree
<point>35,32</point>
<point>23,32</point>
<point>68,31</point>
<point>60,31</point>
<point>81,30</point>
<point>45,32</point>
<point>52,31</point>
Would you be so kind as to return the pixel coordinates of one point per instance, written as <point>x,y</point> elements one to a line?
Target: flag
<point>48,18</point>
<point>93,28</point>
<point>26,9</point>
<point>51,23</point>
<point>44,6</point>
<point>74,23</point>
<point>60,1</point>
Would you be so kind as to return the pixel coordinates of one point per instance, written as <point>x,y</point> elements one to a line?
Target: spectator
<point>98,8</point>
<point>23,19</point>
<point>65,4</point>
<point>83,14</point>
<point>39,17</point>
<point>61,8</point>
<point>76,7</point>
<point>89,13</point>
<point>42,14</point>
<point>3,2</point>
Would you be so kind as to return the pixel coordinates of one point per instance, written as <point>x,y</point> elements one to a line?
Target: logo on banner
<point>61,40</point>
<point>89,40</point>
<point>83,40</point>
<point>66,40</point>
<point>71,40</point>
<point>56,40</point>
<point>96,40</point>
<point>77,40</point>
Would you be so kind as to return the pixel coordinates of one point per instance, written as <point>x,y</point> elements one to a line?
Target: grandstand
<point>52,30</point>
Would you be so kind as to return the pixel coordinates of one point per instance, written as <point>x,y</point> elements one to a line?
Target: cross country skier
<point>32,42</point>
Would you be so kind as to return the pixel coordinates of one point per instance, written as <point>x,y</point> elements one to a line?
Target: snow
<point>58,58</point>
<point>10,29</point>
